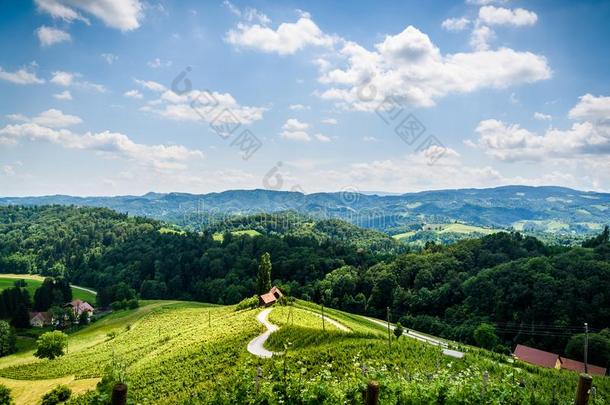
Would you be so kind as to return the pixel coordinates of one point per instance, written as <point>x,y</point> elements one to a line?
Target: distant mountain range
<point>555,210</point>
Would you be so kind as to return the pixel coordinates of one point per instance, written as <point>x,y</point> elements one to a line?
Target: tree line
<point>527,291</point>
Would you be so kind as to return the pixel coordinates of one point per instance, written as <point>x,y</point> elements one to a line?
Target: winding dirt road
<point>256,345</point>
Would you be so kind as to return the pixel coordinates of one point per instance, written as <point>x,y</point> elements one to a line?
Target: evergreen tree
<point>263,280</point>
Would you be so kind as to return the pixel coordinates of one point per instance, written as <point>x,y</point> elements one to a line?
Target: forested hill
<point>554,210</point>
<point>529,292</point>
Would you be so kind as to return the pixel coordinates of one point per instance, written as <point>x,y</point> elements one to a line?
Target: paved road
<point>256,345</point>
<point>412,334</point>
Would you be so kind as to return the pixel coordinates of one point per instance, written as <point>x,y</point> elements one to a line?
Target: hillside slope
<point>177,352</point>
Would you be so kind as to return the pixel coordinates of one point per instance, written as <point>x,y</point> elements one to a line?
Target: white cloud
<point>203,105</point>
<point>299,107</point>
<point>49,36</point>
<point>8,170</point>
<point>111,144</point>
<point>64,95</point>
<point>62,78</point>
<point>158,63</point>
<point>68,79</point>
<point>542,117</point>
<point>109,58</point>
<point>322,138</point>
<point>293,124</point>
<point>51,118</point>
<point>491,15</point>
<point>480,38</point>
<point>248,14</point>
<point>330,121</point>
<point>583,139</point>
<point>455,24</point>
<point>150,85</point>
<point>300,136</point>
<point>133,94</point>
<point>410,68</point>
<point>287,39</point>
<point>591,108</point>
<point>370,139</point>
<point>124,15</point>
<point>21,76</point>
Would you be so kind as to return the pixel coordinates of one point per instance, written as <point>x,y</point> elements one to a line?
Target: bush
<point>59,394</point>
<point>7,339</point>
<point>5,395</point>
<point>51,345</point>
<point>248,303</point>
<point>133,303</point>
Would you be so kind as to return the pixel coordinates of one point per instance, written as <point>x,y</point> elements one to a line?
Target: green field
<point>179,352</point>
<point>34,282</point>
<point>250,232</point>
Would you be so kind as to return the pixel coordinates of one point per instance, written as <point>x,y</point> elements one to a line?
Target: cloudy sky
<point>131,96</point>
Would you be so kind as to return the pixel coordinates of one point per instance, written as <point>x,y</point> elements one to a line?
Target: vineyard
<point>178,352</point>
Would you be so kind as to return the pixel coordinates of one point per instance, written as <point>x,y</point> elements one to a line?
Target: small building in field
<point>78,307</point>
<point>552,360</point>
<point>537,357</point>
<point>270,298</point>
<point>573,365</point>
<point>40,319</point>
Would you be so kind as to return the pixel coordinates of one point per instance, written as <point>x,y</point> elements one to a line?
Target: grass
<point>172,356</point>
<point>218,236</point>
<point>34,282</point>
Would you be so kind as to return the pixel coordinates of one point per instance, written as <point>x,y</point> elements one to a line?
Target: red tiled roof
<point>569,364</point>
<point>43,316</point>
<point>268,298</point>
<point>535,356</point>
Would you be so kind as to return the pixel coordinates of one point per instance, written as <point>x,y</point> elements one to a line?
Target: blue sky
<point>309,96</point>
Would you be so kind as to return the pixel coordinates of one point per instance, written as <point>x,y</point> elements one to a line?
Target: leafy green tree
<point>51,345</point>
<point>485,336</point>
<point>57,395</point>
<point>600,239</point>
<point>21,317</point>
<point>5,396</point>
<point>7,339</point>
<point>599,348</point>
<point>263,279</point>
<point>398,330</point>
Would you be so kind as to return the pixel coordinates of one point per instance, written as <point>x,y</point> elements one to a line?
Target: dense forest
<point>526,291</point>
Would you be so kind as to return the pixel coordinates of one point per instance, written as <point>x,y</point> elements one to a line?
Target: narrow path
<point>412,334</point>
<point>83,289</point>
<point>256,345</point>
<point>338,325</point>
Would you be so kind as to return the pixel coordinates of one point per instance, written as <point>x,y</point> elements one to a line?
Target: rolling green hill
<point>34,282</point>
<point>178,352</point>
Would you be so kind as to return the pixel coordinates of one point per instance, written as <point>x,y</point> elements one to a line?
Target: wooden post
<point>372,393</point>
<point>582,392</point>
<point>119,394</point>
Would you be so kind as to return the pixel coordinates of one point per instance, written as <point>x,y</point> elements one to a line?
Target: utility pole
<point>389,334</point>
<point>586,347</point>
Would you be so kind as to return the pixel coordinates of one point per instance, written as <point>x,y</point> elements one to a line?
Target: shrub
<point>59,394</point>
<point>51,345</point>
<point>5,395</point>
<point>133,303</point>
<point>7,339</point>
<point>248,303</point>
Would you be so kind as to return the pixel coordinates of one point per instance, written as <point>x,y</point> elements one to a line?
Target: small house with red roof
<point>78,307</point>
<point>40,319</point>
<point>270,298</point>
<point>551,360</point>
<point>537,357</point>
